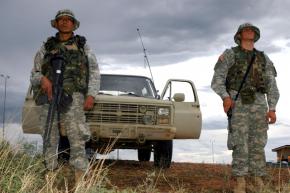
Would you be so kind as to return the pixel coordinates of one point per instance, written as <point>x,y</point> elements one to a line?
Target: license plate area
<point>120,132</point>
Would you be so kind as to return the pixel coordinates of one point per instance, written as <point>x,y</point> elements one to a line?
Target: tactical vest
<point>256,79</point>
<point>76,63</point>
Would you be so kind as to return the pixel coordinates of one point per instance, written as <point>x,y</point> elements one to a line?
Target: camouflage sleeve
<point>94,72</point>
<point>273,92</point>
<point>218,83</point>
<point>36,75</point>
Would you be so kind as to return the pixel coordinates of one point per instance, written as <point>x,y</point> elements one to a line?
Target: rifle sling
<point>246,75</point>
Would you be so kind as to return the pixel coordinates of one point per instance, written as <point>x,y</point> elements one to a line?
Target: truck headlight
<point>163,111</point>
<point>163,115</point>
<point>148,120</point>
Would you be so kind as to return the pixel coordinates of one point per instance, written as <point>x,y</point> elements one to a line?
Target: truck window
<point>127,85</point>
<point>180,87</point>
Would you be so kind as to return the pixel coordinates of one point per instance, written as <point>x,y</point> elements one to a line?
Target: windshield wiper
<point>130,94</point>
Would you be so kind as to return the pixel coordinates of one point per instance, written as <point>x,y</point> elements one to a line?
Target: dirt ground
<point>190,177</point>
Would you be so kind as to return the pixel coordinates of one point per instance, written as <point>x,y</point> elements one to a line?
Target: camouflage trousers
<point>77,131</point>
<point>248,138</point>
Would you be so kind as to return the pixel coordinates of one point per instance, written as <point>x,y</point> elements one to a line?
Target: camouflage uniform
<point>73,120</point>
<point>248,134</point>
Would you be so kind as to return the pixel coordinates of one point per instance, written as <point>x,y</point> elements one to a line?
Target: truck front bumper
<point>132,132</point>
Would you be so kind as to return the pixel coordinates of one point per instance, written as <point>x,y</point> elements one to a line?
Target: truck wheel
<point>144,154</point>
<point>90,152</point>
<point>63,149</point>
<point>163,153</point>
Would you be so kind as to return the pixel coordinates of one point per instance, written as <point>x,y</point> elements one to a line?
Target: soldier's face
<point>248,34</point>
<point>65,24</point>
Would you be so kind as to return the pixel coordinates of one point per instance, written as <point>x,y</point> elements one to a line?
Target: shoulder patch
<point>220,62</point>
<point>222,57</point>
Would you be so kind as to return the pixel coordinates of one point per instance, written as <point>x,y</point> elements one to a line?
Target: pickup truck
<point>129,114</point>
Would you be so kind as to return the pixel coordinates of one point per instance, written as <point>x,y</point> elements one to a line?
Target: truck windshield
<point>127,85</point>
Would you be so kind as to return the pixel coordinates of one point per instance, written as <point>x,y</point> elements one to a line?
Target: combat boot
<point>68,177</point>
<point>259,183</point>
<point>250,184</point>
<point>79,175</point>
<point>50,175</point>
<point>240,186</point>
<point>51,179</point>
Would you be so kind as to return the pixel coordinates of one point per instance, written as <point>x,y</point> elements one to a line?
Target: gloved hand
<point>46,86</point>
<point>227,103</point>
<point>89,103</point>
<point>271,117</point>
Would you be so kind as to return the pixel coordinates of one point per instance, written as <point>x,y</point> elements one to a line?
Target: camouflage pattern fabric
<point>248,137</point>
<point>75,74</point>
<point>65,12</point>
<point>74,119</point>
<point>256,79</point>
<point>249,126</point>
<point>247,25</point>
<point>77,131</point>
<point>94,73</point>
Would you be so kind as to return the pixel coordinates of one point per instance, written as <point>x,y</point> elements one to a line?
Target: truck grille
<point>121,113</point>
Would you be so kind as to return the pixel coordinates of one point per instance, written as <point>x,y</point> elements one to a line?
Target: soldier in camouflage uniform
<point>81,81</point>
<point>254,108</point>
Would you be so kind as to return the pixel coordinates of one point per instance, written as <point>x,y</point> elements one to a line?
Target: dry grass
<point>22,172</point>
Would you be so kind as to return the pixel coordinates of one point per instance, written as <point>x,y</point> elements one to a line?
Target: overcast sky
<point>183,39</point>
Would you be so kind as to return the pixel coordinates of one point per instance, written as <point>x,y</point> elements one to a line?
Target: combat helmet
<point>65,12</point>
<point>241,27</point>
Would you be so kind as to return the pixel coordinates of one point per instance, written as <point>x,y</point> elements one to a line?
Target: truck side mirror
<point>179,97</point>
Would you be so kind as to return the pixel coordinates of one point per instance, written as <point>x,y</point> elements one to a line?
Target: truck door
<point>187,115</point>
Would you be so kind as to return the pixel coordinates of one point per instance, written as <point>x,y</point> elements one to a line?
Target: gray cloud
<point>14,102</point>
<point>172,31</point>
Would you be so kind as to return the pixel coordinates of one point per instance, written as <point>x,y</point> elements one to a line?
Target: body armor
<point>256,79</point>
<point>76,63</point>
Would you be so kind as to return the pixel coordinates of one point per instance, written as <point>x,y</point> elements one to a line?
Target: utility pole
<point>4,101</point>
<point>212,149</point>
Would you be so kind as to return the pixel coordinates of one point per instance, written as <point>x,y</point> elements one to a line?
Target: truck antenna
<point>146,61</point>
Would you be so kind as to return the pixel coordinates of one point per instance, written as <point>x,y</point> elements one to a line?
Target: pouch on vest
<point>248,95</point>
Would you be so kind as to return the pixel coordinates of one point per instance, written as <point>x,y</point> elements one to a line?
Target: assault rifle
<point>58,65</point>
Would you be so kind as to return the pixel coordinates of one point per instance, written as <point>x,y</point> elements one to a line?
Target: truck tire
<point>163,154</point>
<point>90,152</point>
<point>63,149</point>
<point>144,154</point>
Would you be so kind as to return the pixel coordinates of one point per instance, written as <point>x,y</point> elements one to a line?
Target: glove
<point>89,103</point>
<point>46,86</point>
<point>271,117</point>
<point>227,103</point>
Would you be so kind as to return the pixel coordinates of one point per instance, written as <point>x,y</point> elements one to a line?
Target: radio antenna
<point>146,61</point>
